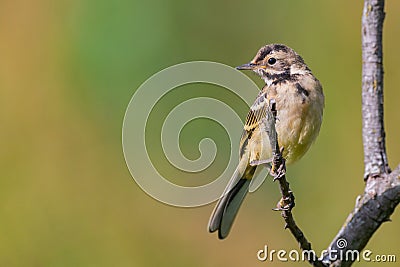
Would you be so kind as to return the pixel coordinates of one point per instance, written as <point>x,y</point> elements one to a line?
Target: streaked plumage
<point>299,102</point>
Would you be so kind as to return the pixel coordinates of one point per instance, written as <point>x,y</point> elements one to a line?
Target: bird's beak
<point>248,66</point>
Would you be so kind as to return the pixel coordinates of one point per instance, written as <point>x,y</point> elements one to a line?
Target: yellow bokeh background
<point>68,70</point>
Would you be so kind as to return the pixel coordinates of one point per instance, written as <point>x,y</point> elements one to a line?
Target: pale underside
<point>298,123</point>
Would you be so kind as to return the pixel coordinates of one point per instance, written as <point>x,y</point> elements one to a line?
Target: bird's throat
<point>275,77</point>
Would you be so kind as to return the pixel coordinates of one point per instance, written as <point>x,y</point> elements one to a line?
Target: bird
<point>299,101</point>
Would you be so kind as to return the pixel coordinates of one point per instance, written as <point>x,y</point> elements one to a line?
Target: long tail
<point>228,205</point>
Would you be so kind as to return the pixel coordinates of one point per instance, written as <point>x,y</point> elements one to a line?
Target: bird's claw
<point>285,204</point>
<point>280,172</point>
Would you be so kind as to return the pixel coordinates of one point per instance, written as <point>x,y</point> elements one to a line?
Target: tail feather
<point>228,205</point>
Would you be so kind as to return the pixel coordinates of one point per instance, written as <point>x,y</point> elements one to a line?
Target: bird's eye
<point>271,61</point>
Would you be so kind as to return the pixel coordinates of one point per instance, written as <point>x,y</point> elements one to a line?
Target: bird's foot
<point>280,172</point>
<point>286,203</point>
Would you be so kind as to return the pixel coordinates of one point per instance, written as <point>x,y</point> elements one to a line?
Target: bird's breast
<point>299,118</point>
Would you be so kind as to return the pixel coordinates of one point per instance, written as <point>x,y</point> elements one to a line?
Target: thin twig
<point>287,202</point>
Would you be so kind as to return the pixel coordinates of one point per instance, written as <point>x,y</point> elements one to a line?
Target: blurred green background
<point>68,70</point>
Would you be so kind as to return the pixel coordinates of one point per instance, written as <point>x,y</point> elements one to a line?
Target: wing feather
<point>257,112</point>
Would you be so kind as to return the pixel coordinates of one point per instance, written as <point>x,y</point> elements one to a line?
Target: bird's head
<point>276,61</point>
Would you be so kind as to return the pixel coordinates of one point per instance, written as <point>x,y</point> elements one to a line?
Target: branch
<point>287,202</point>
<point>382,190</point>
<point>375,159</point>
<point>374,207</point>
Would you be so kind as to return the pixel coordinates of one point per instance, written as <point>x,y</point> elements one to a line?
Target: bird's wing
<point>258,111</point>
<point>242,179</point>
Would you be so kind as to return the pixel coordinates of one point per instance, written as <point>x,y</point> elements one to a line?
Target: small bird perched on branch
<point>299,103</point>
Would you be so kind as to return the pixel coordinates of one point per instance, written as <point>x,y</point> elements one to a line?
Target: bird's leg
<point>278,171</point>
<point>287,201</point>
<point>261,162</point>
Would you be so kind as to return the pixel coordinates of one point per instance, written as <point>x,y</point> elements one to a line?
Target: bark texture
<point>375,159</point>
